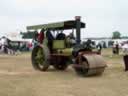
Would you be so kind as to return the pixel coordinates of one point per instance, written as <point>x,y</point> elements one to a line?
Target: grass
<point>18,78</point>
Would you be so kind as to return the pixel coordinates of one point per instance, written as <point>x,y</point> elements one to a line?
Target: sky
<point>102,17</point>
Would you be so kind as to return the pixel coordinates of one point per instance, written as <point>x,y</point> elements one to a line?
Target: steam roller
<point>62,50</point>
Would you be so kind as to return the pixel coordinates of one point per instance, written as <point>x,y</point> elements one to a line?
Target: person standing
<point>41,36</point>
<point>117,48</point>
<point>99,47</point>
<point>125,57</point>
<point>4,42</point>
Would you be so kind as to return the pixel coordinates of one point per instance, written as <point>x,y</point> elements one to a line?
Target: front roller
<point>89,64</point>
<point>40,57</point>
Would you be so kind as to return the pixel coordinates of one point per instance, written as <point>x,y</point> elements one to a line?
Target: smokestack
<point>78,26</point>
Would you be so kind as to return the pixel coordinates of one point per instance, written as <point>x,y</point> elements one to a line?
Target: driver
<point>50,38</point>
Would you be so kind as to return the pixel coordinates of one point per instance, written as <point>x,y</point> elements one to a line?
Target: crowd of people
<point>13,47</point>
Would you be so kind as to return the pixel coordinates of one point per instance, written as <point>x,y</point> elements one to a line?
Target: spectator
<point>116,48</point>
<point>125,48</point>
<point>99,47</point>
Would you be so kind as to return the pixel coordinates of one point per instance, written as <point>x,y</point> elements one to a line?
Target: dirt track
<point>18,78</point>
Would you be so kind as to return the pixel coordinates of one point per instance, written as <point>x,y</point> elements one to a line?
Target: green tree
<point>116,35</point>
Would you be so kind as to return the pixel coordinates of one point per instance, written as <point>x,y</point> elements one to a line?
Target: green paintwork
<point>58,44</point>
<point>67,51</point>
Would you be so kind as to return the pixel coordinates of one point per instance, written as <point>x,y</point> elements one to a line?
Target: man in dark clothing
<point>117,48</point>
<point>89,45</point>
<point>126,62</point>
<point>50,39</point>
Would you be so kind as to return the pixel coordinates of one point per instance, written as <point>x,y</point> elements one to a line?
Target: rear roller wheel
<point>40,57</point>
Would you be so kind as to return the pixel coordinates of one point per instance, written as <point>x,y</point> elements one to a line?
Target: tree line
<point>117,35</point>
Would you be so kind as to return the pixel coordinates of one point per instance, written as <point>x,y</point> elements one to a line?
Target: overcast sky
<point>101,16</point>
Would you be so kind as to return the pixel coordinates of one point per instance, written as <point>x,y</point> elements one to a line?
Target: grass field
<point>18,78</point>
